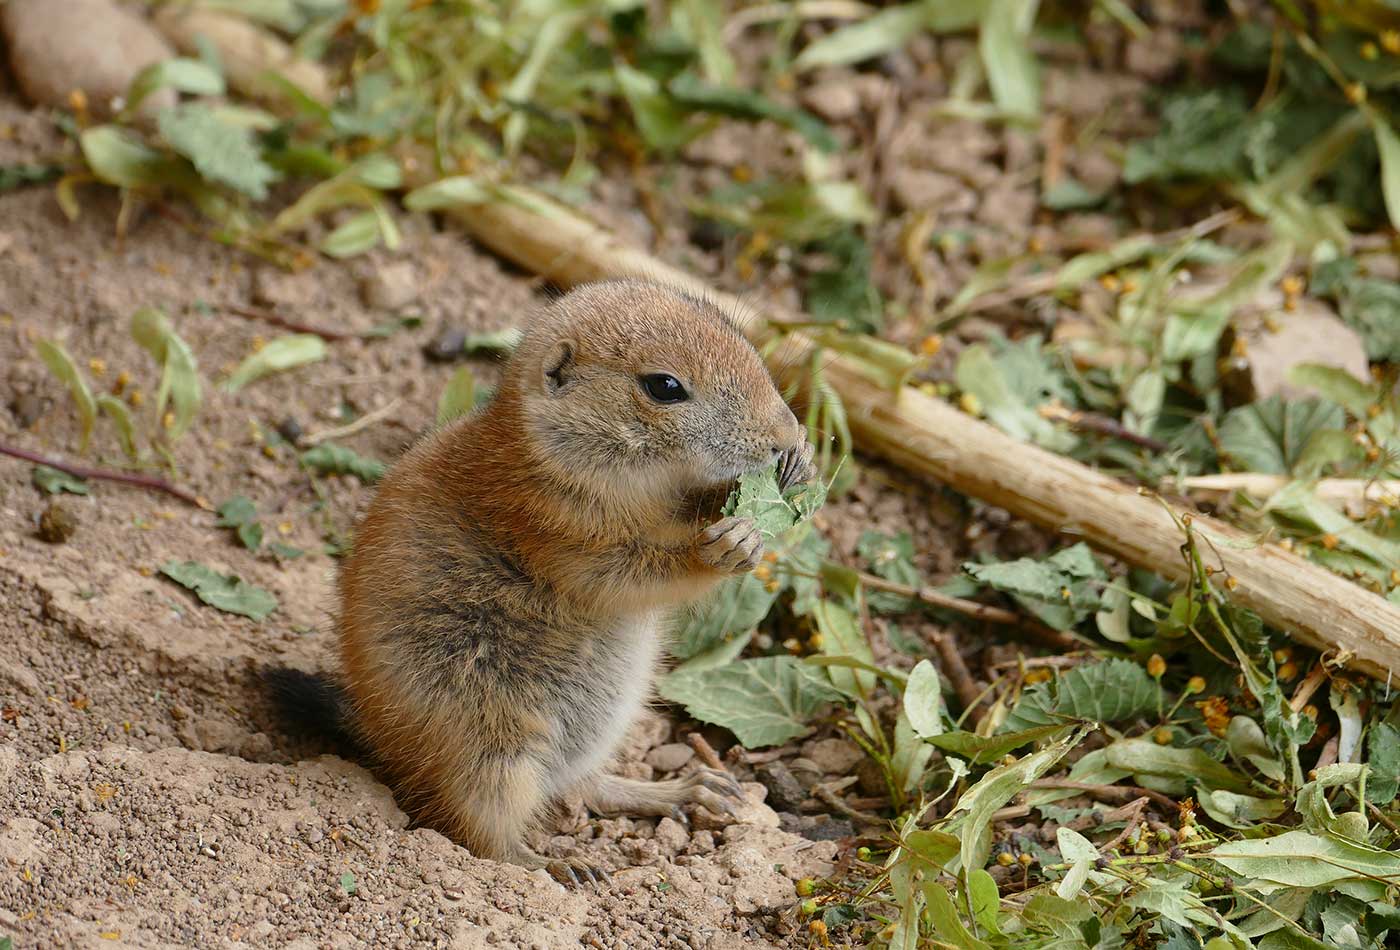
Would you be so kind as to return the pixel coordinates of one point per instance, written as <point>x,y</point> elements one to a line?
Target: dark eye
<point>663,387</point>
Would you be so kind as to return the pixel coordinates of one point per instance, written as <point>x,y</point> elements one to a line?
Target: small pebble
<point>390,287</point>
<point>447,345</point>
<point>785,792</point>
<point>671,757</point>
<point>58,523</point>
<point>290,429</point>
<point>27,409</point>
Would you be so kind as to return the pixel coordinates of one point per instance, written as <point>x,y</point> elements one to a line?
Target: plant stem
<point>107,475</point>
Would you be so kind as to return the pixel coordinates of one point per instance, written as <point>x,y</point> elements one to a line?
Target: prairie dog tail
<point>313,705</point>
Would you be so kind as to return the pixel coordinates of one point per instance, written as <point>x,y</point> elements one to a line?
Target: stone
<point>835,100</point>
<point>671,757</point>
<point>58,522</point>
<point>390,287</point>
<point>919,189</point>
<point>95,46</point>
<point>833,756</point>
<point>785,792</point>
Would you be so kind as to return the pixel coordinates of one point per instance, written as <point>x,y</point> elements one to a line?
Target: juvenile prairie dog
<point>504,606</point>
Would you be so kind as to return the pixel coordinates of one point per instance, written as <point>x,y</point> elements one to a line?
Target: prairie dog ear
<point>559,366</point>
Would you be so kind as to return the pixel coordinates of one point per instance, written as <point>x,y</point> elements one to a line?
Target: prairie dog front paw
<point>731,545</point>
<point>795,466</point>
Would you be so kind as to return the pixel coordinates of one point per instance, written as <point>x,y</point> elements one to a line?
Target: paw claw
<point>795,466</point>
<point>732,545</point>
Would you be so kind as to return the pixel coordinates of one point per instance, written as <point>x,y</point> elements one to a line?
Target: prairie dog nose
<point>786,434</point>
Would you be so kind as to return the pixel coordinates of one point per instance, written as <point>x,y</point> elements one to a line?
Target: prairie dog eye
<point>664,388</point>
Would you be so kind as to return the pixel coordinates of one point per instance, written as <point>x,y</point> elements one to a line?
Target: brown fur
<point>499,609</point>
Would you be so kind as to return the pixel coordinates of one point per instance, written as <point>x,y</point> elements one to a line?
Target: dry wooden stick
<point>286,323</point>
<point>1032,630</point>
<point>931,437</point>
<point>152,482</point>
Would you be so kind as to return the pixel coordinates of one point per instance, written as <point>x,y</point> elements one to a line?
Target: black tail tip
<point>312,705</point>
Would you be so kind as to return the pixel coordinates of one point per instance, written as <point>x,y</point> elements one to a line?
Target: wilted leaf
<point>1234,810</point>
<point>890,557</point>
<point>1383,756</point>
<point>330,459</point>
<point>889,29</point>
<point>1300,504</point>
<point>51,481</point>
<point>762,701</point>
<point>1106,692</point>
<point>179,378</point>
<point>58,361</point>
<point>228,593</point>
<point>221,151</point>
<point>283,353</point>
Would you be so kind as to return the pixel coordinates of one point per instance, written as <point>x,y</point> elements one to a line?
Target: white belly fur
<point>630,670</point>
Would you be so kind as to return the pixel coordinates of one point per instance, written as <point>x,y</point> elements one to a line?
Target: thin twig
<point>955,668</point>
<point>935,598</point>
<point>1109,794</point>
<point>1100,424</point>
<point>705,751</point>
<point>364,422</point>
<point>286,323</point>
<point>1307,687</point>
<point>107,475</point>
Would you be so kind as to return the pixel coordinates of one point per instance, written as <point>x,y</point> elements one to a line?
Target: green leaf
<point>1144,757</point>
<point>459,398</point>
<point>1302,859</point>
<point>973,812</point>
<point>51,481</point>
<point>117,158</point>
<point>983,750</point>
<point>1239,811</point>
<point>881,32</point>
<point>1270,436</point>
<point>775,512</point>
<point>1079,852</point>
<point>493,343</point>
<point>763,701</point>
<point>328,459</point>
<point>1107,692</point>
<point>236,511</point>
<point>733,609</point>
<point>1004,44</point>
<point>1383,756</point>
<point>461,191</point>
<point>1011,381</point>
<point>1061,590</point>
<point>842,637</point>
<point>1336,384</point>
<point>923,700</point>
<point>1388,144</point>
<point>120,415</point>
<point>226,592</point>
<point>358,234</point>
<point>283,353</point>
<point>694,93</point>
<point>58,361</point>
<point>943,916</point>
<point>191,76</point>
<point>17,176</point>
<point>890,557</point>
<point>664,125</point>
<point>1202,136</point>
<point>222,152</point>
<point>179,379</point>
<point>889,29</point>
<point>347,883</point>
<point>1298,502</point>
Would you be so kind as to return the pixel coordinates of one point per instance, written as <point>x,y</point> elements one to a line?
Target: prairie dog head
<point>632,381</point>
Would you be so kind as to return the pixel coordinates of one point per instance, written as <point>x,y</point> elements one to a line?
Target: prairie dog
<point>502,612</point>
